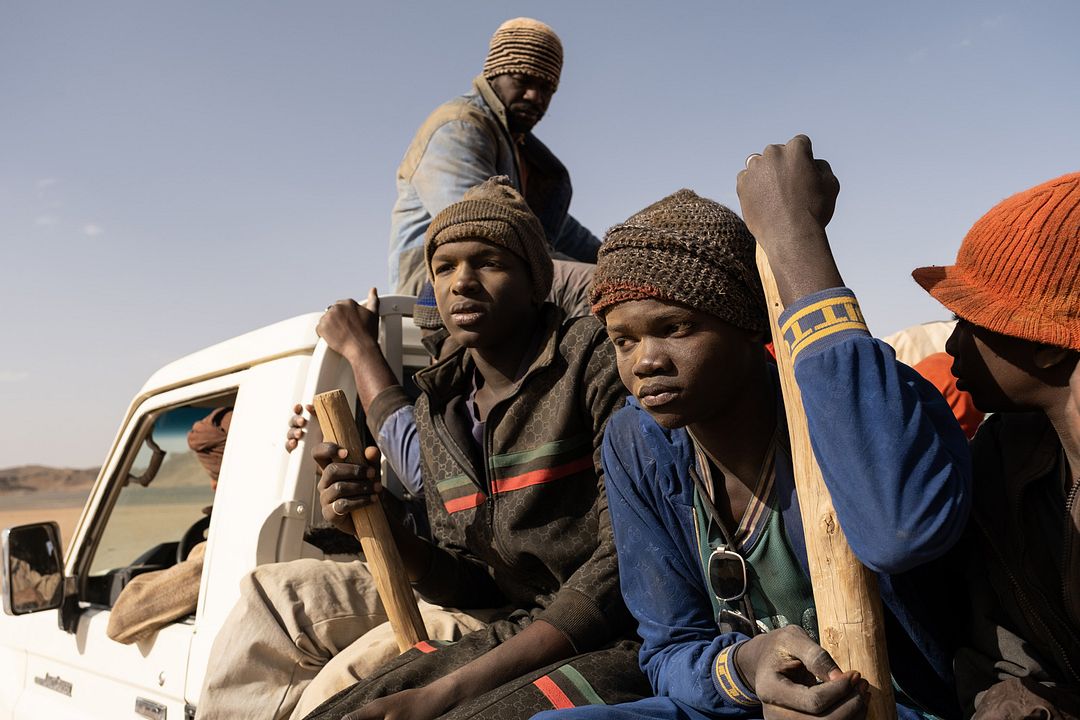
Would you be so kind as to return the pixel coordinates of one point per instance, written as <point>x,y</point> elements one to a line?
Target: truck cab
<point>150,505</point>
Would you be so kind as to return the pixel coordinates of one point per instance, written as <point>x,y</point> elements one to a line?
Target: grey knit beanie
<point>685,249</point>
<point>494,212</point>
<point>525,46</point>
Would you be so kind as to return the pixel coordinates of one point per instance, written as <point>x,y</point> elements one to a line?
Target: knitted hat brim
<point>614,294</point>
<point>667,274</point>
<point>1025,318</point>
<point>521,69</point>
<point>492,231</point>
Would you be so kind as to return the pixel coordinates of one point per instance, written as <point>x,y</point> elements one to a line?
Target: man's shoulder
<point>469,108</point>
<point>576,340</point>
<point>627,426</point>
<point>469,125</point>
<point>581,328</point>
<point>654,462</point>
<point>583,343</point>
<point>633,433</point>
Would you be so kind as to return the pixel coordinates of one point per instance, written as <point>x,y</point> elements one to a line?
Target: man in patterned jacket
<point>510,429</point>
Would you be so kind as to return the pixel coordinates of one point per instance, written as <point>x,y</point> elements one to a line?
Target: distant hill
<point>178,470</point>
<point>27,479</point>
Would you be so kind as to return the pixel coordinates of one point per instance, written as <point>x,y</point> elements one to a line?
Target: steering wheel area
<point>192,537</point>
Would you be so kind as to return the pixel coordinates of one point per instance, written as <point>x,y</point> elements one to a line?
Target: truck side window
<point>162,509</point>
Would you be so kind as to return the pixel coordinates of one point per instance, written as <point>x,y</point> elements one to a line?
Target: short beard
<point>517,125</point>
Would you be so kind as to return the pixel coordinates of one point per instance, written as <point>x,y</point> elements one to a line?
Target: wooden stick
<point>846,594</point>
<point>339,426</point>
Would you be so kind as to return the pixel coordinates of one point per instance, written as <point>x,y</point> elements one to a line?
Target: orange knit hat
<point>1018,269</point>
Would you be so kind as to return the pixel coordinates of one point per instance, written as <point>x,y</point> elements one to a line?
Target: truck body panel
<point>265,500</point>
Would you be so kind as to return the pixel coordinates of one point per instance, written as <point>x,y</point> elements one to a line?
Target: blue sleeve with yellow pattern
<point>893,456</point>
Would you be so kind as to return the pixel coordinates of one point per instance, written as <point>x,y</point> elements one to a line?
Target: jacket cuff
<point>388,401</point>
<point>726,680</point>
<point>579,618</point>
<point>820,320</point>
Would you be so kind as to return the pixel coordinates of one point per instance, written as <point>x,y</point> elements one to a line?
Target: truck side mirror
<point>33,569</point>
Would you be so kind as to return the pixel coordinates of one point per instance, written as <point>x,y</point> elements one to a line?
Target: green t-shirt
<point>779,592</point>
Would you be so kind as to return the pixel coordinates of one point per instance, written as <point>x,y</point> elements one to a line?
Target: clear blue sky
<point>176,173</point>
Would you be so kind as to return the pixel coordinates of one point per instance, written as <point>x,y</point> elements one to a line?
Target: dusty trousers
<point>301,632</point>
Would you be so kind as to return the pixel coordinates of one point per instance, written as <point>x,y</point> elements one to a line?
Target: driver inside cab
<point>152,600</point>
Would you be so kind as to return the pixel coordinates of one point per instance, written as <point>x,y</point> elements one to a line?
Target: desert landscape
<point>34,493</point>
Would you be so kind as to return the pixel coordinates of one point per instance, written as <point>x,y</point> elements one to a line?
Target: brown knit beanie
<point>1018,269</point>
<point>494,212</point>
<point>525,46</point>
<point>683,249</point>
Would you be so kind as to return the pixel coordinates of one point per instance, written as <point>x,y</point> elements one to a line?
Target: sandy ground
<point>64,509</point>
<point>132,529</point>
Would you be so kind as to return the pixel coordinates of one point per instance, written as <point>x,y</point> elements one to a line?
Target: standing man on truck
<point>488,132</point>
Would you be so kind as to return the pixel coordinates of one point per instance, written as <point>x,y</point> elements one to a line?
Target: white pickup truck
<point>146,509</point>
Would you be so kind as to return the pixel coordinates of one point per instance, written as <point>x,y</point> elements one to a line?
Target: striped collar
<point>755,516</point>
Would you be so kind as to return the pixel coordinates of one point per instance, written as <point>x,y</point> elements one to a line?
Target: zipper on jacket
<point>489,480</point>
<point>1022,596</point>
<point>455,450</point>
<point>1066,554</point>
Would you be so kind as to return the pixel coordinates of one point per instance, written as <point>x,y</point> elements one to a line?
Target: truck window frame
<point>101,503</point>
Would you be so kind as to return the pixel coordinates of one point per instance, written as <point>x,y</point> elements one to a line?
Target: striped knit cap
<point>684,249</point>
<point>525,46</point>
<point>494,212</point>
<point>1018,269</point>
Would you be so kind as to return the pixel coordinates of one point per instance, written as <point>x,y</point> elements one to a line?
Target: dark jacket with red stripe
<point>525,523</point>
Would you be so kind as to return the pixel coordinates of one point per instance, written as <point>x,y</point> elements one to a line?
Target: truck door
<point>136,562</point>
<point>280,538</point>
<point>146,512</point>
<point>267,495</point>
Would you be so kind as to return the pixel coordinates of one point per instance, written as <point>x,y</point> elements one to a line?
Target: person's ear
<point>1049,356</point>
<point>1055,364</point>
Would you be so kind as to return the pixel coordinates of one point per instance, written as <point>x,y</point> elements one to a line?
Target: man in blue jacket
<point>698,470</point>
<point>485,133</point>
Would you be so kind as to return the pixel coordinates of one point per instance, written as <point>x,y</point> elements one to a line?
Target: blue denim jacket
<point>461,144</point>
